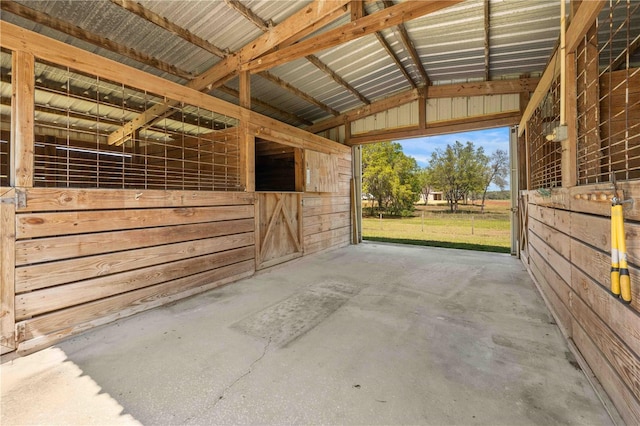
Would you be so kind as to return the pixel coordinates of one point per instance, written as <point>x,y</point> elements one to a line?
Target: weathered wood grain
<point>60,297</point>
<point>47,329</point>
<point>70,246</point>
<point>34,225</point>
<point>34,277</point>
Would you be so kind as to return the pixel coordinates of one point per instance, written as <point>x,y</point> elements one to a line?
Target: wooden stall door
<point>279,217</point>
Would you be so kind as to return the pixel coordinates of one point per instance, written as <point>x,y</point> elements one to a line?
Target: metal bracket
<point>20,200</point>
<point>617,200</point>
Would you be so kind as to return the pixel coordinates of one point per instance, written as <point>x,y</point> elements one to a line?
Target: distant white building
<point>433,196</point>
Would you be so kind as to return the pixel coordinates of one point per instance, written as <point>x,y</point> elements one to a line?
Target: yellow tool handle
<point>615,263</point>
<point>625,279</point>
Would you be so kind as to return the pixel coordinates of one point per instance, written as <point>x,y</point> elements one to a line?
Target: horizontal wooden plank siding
<point>86,257</point>
<point>570,259</point>
<point>327,215</point>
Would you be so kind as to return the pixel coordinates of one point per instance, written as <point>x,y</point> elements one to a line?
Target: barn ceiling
<point>305,81</point>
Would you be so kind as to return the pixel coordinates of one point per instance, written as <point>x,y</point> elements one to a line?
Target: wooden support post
<point>422,109</point>
<point>347,132</point>
<point>247,139</point>
<point>524,144</point>
<point>22,117</point>
<point>569,145</point>
<point>298,158</point>
<point>7,271</point>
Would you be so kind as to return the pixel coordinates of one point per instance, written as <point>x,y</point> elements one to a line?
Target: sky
<point>490,139</point>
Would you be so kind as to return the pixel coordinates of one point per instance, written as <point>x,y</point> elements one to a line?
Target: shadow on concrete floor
<point>368,334</point>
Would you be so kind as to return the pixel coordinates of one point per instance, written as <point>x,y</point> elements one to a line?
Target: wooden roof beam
<point>167,25</point>
<point>487,29</point>
<point>325,68</point>
<point>264,26</point>
<point>297,25</point>
<point>260,103</point>
<point>410,48</point>
<point>392,54</point>
<point>89,37</point>
<point>497,87</point>
<point>299,93</point>
<point>249,15</point>
<point>386,18</point>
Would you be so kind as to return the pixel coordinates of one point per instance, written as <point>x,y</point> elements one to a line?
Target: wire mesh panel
<point>5,115</point>
<point>86,137</point>
<point>544,154</point>
<point>608,64</point>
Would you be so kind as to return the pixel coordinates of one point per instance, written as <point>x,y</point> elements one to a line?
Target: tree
<point>457,171</point>
<point>496,170</point>
<point>425,180</point>
<point>390,177</point>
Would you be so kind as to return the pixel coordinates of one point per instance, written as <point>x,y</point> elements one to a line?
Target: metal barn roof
<point>450,43</point>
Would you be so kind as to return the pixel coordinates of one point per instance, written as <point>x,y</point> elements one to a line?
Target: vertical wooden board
<point>21,167</point>
<point>624,400</point>
<point>7,276</point>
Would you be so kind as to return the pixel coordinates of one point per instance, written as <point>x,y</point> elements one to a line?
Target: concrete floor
<point>369,334</point>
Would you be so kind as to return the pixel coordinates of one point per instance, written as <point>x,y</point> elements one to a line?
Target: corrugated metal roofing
<point>450,44</point>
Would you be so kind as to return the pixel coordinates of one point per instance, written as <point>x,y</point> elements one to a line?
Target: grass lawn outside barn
<point>435,225</point>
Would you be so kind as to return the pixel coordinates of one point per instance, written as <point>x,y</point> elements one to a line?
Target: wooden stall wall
<point>569,256</point>
<point>87,257</point>
<point>327,215</point>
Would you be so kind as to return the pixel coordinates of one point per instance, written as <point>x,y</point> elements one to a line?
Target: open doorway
<point>473,215</point>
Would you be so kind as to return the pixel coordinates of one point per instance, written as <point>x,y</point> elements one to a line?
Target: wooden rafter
<point>262,104</point>
<point>497,87</point>
<point>357,9</point>
<point>457,125</point>
<point>280,82</point>
<point>487,27</point>
<point>249,15</point>
<point>162,22</point>
<point>325,68</point>
<point>410,48</point>
<point>383,41</point>
<point>297,25</point>
<point>167,25</point>
<point>378,21</point>
<point>265,26</point>
<point>86,36</point>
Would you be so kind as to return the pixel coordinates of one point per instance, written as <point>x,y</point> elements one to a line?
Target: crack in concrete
<point>243,375</point>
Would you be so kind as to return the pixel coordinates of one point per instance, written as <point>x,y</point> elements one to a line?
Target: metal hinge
<point>20,200</point>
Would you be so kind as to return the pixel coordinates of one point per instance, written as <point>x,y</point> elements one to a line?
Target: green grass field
<point>433,225</point>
